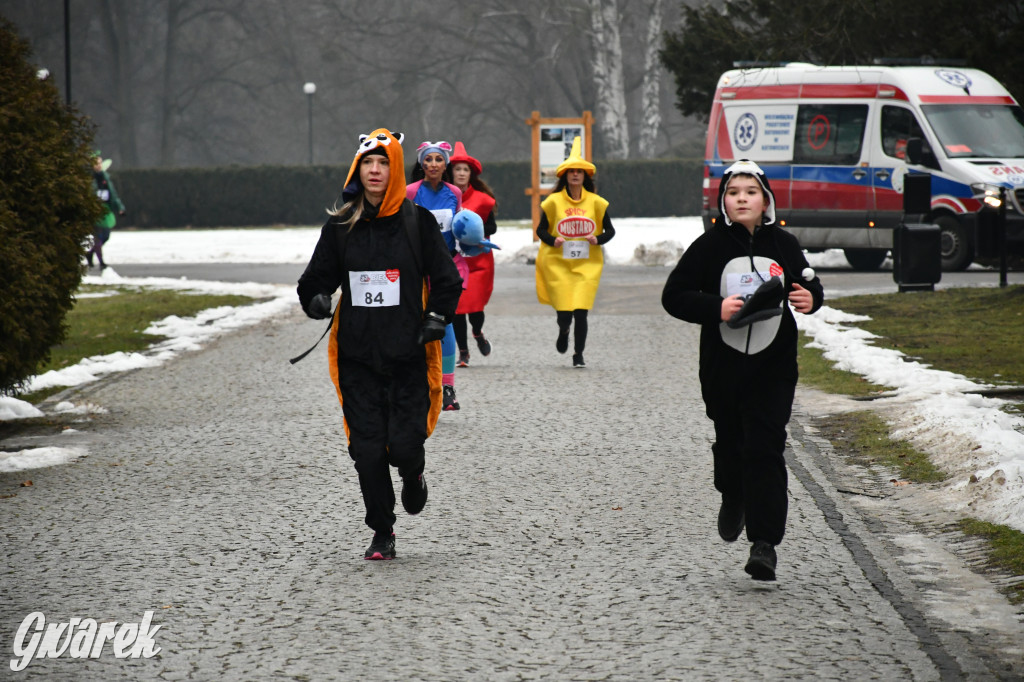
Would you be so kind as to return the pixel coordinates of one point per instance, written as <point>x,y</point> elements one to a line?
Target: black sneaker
<point>382,547</point>
<point>761,564</point>
<point>463,358</point>
<point>449,401</point>
<point>483,344</point>
<point>562,344</point>
<point>577,360</point>
<point>414,494</point>
<point>730,518</point>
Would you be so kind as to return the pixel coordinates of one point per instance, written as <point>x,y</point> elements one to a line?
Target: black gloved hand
<point>432,329</point>
<point>320,307</point>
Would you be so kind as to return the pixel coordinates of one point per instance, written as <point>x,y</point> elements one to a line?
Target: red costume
<point>481,268</point>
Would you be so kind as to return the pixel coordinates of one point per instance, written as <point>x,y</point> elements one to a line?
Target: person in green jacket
<point>104,189</point>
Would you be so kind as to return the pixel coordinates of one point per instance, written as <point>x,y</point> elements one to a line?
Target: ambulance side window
<point>899,125</point>
<point>829,133</point>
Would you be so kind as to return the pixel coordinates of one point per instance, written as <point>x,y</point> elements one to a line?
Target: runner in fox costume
<point>384,349</point>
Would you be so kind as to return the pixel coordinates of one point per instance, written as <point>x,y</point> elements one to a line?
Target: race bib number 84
<point>374,288</point>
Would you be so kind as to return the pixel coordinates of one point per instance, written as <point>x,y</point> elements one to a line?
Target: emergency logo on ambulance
<point>761,132</point>
<point>744,133</point>
<point>954,78</point>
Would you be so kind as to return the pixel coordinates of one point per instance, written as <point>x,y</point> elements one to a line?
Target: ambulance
<point>836,143</point>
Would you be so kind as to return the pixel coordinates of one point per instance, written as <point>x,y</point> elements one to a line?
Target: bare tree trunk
<point>167,108</point>
<point>611,91</point>
<point>115,24</point>
<point>650,105</point>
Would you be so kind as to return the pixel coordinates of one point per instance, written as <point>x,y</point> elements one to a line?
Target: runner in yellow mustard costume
<point>573,226</point>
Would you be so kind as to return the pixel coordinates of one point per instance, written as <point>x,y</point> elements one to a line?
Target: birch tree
<point>608,78</point>
<point>650,98</point>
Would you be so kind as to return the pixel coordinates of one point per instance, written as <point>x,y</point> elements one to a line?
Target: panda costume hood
<point>747,167</point>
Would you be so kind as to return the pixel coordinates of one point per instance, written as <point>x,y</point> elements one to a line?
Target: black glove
<point>320,307</point>
<point>433,328</point>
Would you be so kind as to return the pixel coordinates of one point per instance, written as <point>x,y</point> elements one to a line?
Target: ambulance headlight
<point>990,195</point>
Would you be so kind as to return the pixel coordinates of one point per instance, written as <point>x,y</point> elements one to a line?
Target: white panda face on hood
<point>747,167</point>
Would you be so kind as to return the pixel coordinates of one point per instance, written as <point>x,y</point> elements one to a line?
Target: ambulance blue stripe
<point>841,175</point>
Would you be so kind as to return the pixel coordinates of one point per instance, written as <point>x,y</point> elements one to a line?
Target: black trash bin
<point>916,256</point>
<point>916,244</point>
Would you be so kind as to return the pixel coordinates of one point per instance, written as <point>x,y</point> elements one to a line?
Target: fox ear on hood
<point>362,138</point>
<point>398,136</point>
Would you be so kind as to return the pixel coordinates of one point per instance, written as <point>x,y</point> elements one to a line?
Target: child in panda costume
<point>734,281</point>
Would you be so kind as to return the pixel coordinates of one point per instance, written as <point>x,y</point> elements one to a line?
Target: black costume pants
<point>459,325</point>
<point>579,335</point>
<point>750,413</point>
<point>387,421</point>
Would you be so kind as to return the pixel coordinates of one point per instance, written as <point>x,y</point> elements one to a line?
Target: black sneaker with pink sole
<point>382,547</point>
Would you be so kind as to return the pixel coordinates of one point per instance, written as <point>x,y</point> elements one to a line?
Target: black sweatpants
<point>750,416</point>
<point>387,421</point>
<point>579,332</point>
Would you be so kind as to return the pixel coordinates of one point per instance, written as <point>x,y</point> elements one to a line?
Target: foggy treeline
<point>218,82</point>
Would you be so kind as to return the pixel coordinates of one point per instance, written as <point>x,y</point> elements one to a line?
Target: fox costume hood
<point>380,141</point>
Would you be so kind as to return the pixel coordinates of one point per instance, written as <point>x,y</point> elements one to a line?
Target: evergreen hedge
<point>299,195</point>
<point>47,209</point>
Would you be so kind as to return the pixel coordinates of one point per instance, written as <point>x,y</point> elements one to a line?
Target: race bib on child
<point>740,276</point>
<point>103,194</point>
<point>575,249</point>
<point>374,288</point>
<point>744,283</point>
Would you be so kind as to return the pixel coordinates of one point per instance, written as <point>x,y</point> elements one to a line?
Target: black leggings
<point>459,324</point>
<point>565,319</point>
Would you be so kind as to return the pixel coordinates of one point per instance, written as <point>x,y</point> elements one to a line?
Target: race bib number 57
<point>374,288</point>
<point>576,249</point>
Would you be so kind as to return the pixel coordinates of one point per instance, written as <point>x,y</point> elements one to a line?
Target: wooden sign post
<point>551,144</point>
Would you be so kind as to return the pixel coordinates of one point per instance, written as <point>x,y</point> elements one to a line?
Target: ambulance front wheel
<point>865,259</point>
<point>956,246</point>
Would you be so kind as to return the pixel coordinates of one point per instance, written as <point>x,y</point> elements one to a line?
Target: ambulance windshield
<point>974,130</point>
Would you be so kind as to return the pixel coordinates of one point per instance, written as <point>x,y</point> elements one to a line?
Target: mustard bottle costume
<point>568,274</point>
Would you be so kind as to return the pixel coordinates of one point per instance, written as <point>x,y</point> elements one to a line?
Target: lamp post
<point>309,89</point>
<point>1001,238</point>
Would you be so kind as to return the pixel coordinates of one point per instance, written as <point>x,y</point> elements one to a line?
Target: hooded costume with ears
<point>389,143</point>
<point>748,375</point>
<point>388,380</point>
